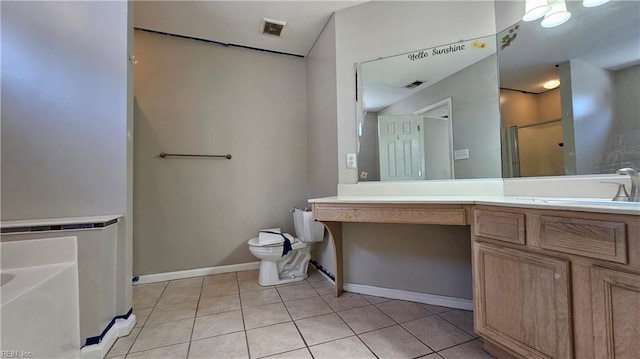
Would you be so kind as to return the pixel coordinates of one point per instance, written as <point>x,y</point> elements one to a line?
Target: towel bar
<point>165,155</point>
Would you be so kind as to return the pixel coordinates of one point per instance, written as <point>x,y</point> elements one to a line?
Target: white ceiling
<point>239,22</point>
<point>607,36</point>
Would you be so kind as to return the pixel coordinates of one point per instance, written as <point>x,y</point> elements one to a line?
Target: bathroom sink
<point>583,201</point>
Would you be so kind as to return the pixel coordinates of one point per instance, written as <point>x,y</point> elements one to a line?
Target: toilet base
<point>292,269</point>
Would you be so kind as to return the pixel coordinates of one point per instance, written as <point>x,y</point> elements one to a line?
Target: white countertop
<point>568,204</point>
<point>58,221</point>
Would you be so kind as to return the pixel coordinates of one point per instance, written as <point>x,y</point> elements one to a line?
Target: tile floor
<point>230,316</point>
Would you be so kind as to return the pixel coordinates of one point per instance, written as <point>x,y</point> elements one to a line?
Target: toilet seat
<point>254,242</point>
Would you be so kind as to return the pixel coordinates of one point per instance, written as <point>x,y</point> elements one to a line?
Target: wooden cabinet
<point>616,313</point>
<point>564,285</point>
<point>522,301</point>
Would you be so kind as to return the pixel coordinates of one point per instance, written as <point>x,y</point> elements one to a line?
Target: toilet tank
<point>306,229</point>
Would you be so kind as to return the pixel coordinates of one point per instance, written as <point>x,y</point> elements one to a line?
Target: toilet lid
<point>254,242</point>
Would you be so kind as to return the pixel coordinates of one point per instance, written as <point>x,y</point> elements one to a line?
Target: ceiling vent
<point>273,27</point>
<point>414,84</point>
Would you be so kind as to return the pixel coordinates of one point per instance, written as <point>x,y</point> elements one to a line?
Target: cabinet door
<point>522,301</point>
<point>616,314</point>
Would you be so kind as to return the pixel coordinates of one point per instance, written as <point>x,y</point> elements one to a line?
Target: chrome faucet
<point>635,183</point>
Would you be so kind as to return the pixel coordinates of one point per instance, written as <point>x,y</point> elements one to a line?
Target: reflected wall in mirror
<point>590,124</point>
<point>430,114</point>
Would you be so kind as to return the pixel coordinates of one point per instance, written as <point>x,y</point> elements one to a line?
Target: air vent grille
<point>273,27</point>
<point>414,84</point>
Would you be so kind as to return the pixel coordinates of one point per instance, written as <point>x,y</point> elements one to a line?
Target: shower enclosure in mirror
<point>590,122</point>
<point>430,114</point>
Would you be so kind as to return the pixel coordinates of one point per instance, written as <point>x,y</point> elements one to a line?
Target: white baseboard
<point>159,277</point>
<point>443,301</point>
<point>120,328</point>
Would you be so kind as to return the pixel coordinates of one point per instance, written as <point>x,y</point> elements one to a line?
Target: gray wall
<point>623,144</point>
<point>194,97</point>
<point>475,113</point>
<point>369,156</point>
<point>365,32</point>
<point>322,179</point>
<point>588,99</point>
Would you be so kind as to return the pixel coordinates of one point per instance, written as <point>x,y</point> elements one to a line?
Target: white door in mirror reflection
<point>400,144</point>
<point>415,147</point>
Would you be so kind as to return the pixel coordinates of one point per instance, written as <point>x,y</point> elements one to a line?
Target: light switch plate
<point>351,160</point>
<point>461,154</point>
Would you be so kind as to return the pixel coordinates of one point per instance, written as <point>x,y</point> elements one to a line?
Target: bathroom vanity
<point>550,279</point>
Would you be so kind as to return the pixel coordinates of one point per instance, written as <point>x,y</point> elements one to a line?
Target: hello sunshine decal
<point>448,49</point>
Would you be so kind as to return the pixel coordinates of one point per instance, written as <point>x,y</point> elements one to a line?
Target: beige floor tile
<point>402,311</point>
<point>144,302</point>
<point>265,315</point>
<point>323,288</point>
<point>185,283</point>
<point>323,328</point>
<point>437,333</point>
<point>141,316</point>
<point>345,301</point>
<point>164,334</point>
<point>346,348</point>
<point>225,303</point>
<point>308,307</point>
<point>228,346</point>
<point>273,339</point>
<point>431,356</point>
<point>171,312</point>
<point>123,344</point>
<point>146,295</point>
<point>394,342</point>
<point>222,278</point>
<point>315,276</point>
<point>219,289</point>
<point>365,319</point>
<point>294,354</point>
<point>251,286</point>
<point>298,291</point>
<point>118,357</point>
<point>470,350</point>
<point>178,351</point>
<point>462,319</point>
<point>435,309</point>
<point>217,324</point>
<point>248,275</point>
<point>179,295</point>
<point>259,298</point>
<point>375,300</point>
<point>150,288</point>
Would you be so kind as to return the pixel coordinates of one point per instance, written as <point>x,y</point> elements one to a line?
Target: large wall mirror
<point>590,122</point>
<point>430,114</point>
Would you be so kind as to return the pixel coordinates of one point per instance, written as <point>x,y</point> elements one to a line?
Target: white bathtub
<point>39,298</point>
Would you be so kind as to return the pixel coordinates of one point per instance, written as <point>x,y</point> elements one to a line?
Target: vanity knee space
<point>557,284</point>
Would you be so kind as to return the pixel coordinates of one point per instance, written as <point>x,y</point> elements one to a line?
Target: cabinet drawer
<point>400,213</point>
<point>586,237</point>
<point>504,226</point>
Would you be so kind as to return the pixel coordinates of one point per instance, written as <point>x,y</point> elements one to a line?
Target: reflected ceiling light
<point>535,9</point>
<point>593,3</point>
<point>551,84</point>
<point>557,15</point>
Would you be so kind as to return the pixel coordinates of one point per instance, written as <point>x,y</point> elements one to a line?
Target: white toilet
<point>276,269</point>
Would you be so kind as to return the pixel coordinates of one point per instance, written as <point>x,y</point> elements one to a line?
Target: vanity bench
<point>550,280</point>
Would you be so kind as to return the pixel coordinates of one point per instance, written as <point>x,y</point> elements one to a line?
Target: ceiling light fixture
<point>593,3</point>
<point>557,15</point>
<point>535,9</point>
<point>551,84</point>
